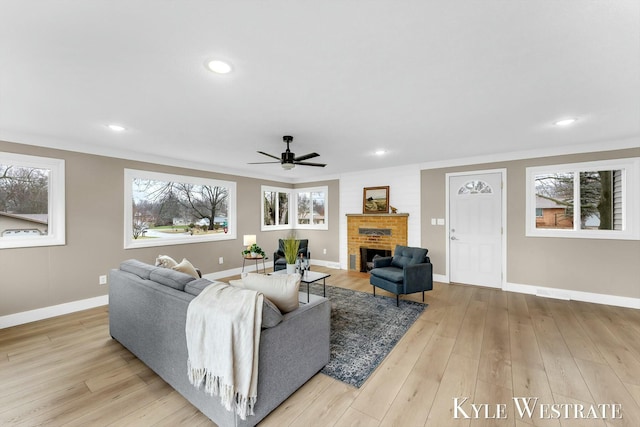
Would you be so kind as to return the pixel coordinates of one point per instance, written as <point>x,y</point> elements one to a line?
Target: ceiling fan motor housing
<point>287,157</point>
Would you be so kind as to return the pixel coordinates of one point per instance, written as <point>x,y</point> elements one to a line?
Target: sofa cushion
<point>187,268</point>
<point>271,316</point>
<point>392,274</point>
<point>174,279</point>
<point>138,268</point>
<point>281,289</point>
<point>404,255</point>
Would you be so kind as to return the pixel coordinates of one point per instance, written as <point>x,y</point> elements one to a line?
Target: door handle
<point>454,238</point>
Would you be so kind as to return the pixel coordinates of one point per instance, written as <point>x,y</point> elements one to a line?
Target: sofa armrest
<point>383,261</point>
<point>293,351</point>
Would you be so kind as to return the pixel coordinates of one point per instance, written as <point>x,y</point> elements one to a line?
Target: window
<point>275,207</point>
<point>164,209</point>
<point>311,212</point>
<point>475,187</point>
<point>32,201</point>
<point>306,205</point>
<point>589,200</point>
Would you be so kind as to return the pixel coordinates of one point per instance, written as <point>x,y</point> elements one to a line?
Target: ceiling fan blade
<point>261,163</point>
<point>269,155</point>
<point>306,157</point>
<point>321,165</point>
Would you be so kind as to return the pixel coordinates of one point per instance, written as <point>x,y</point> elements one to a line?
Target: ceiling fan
<point>288,160</point>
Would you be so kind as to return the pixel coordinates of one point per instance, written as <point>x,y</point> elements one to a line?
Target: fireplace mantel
<point>378,215</point>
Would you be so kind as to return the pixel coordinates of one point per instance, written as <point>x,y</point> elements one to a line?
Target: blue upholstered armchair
<point>409,270</point>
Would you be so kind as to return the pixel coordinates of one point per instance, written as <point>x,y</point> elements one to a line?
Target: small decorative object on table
<point>290,246</point>
<point>302,264</point>
<point>253,251</point>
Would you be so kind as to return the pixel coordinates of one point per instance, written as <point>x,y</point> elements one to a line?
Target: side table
<point>256,258</point>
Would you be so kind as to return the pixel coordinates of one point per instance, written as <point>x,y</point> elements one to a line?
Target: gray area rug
<point>364,329</point>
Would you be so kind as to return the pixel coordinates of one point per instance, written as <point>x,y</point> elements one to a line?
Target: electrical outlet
<point>221,260</point>
<point>102,280</point>
<point>324,251</point>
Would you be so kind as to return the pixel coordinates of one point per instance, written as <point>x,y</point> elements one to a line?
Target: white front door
<point>475,229</point>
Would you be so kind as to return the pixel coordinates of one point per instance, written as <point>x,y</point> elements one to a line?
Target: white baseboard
<point>328,264</point>
<point>52,311</point>
<point>568,294</point>
<point>440,278</point>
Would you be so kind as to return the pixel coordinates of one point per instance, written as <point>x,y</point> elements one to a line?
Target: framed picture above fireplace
<point>375,200</point>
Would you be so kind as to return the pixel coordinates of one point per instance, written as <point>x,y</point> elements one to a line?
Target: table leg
<point>308,286</point>
<point>324,287</point>
<point>243,261</point>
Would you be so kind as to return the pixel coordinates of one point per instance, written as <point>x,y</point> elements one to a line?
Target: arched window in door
<point>475,187</point>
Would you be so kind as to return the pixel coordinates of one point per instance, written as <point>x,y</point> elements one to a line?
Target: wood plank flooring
<point>483,344</point>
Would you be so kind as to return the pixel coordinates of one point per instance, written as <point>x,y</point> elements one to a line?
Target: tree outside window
<point>555,199</point>
<point>167,209</point>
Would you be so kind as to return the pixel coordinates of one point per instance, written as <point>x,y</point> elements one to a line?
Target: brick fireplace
<point>374,231</point>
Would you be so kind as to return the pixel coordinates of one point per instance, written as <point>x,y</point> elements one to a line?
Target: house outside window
<point>32,201</point>
<point>584,200</point>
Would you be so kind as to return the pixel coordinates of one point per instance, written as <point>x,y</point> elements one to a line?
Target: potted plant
<point>253,251</point>
<point>290,245</point>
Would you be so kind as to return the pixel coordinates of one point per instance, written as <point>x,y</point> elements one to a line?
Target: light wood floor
<point>473,342</point>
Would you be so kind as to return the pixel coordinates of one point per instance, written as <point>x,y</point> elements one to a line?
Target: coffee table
<point>310,277</point>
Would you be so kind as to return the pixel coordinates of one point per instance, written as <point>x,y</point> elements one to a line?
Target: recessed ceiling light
<point>218,67</point>
<point>380,152</point>
<point>566,122</point>
<point>116,128</point>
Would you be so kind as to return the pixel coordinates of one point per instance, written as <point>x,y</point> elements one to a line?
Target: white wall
<point>404,194</point>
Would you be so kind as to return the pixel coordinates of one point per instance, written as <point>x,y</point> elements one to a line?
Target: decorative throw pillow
<point>165,261</point>
<point>186,267</point>
<point>281,289</point>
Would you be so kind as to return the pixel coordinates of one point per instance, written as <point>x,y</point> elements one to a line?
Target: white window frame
<point>288,191</point>
<point>311,226</point>
<point>630,168</point>
<point>293,208</point>
<point>56,232</point>
<point>131,243</point>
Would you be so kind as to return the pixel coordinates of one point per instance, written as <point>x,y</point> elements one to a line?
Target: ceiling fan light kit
<point>288,160</point>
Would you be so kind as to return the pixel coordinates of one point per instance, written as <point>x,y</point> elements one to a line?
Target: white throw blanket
<point>223,340</point>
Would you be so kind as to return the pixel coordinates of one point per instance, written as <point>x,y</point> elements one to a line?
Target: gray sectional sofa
<point>147,315</point>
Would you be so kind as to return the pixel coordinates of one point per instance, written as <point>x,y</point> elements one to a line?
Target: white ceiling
<point>427,81</point>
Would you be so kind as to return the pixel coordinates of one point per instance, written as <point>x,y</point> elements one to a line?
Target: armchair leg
<point>374,291</point>
<point>397,300</point>
<point>422,296</point>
